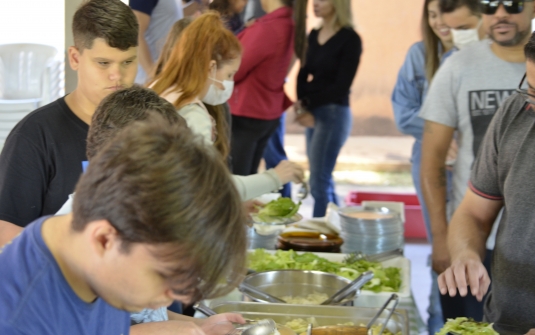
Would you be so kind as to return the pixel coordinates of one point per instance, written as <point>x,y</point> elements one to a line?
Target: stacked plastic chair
<point>24,82</point>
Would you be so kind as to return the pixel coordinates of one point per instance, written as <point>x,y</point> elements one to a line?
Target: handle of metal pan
<point>372,321</point>
<point>244,287</point>
<point>354,286</point>
<point>204,309</point>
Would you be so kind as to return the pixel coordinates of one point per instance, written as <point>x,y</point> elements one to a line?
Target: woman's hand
<point>303,117</point>
<point>252,206</point>
<point>288,171</point>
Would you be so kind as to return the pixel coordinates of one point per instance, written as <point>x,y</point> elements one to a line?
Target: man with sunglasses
<point>502,175</point>
<point>464,95</point>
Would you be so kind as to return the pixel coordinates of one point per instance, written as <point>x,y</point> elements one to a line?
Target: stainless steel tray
<point>324,315</point>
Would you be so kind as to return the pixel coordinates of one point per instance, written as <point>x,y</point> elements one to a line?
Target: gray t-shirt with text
<point>464,94</point>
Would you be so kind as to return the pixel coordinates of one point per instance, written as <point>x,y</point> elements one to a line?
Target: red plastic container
<point>414,220</point>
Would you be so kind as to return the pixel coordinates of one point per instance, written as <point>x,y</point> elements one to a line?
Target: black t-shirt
<point>329,69</point>
<point>41,163</point>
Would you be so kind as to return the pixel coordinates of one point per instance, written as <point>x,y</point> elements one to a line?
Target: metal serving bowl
<point>296,283</point>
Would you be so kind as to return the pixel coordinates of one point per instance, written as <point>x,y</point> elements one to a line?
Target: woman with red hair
<point>197,78</point>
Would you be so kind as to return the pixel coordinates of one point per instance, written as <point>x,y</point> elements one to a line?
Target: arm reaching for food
<point>469,229</point>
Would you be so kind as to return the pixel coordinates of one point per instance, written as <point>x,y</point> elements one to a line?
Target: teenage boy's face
<point>509,29</point>
<point>103,69</point>
<point>461,18</point>
<point>134,280</point>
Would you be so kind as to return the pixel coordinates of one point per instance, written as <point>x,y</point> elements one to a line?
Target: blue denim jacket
<point>410,91</point>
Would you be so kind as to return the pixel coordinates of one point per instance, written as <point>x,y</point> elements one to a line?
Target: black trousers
<point>467,306</point>
<point>248,141</point>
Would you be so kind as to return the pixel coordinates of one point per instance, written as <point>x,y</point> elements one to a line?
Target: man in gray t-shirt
<point>155,17</point>
<point>464,95</point>
<point>502,175</point>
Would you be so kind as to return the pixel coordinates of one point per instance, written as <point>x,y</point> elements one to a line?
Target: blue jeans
<point>274,153</point>
<point>331,129</point>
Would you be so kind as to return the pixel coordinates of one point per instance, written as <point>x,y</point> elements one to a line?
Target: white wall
<point>34,21</point>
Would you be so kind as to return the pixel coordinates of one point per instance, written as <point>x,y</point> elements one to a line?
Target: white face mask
<point>463,37</point>
<point>216,96</point>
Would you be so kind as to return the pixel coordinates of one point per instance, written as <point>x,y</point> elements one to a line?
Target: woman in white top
<point>200,69</point>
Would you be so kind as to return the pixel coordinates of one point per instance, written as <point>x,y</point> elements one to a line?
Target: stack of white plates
<point>370,231</point>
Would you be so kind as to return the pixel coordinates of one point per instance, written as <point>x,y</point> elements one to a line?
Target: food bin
<point>323,315</point>
<point>297,283</point>
<point>372,299</point>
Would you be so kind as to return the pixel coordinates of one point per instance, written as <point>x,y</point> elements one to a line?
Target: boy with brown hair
<point>122,249</point>
<point>42,158</point>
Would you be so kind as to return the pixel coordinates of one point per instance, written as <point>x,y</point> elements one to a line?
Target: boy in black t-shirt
<point>42,157</point>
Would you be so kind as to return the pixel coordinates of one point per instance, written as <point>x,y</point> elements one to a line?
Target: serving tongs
<point>346,291</point>
<point>347,330</point>
<point>381,257</point>
<point>246,288</point>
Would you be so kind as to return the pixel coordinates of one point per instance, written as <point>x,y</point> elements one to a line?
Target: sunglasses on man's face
<point>489,7</point>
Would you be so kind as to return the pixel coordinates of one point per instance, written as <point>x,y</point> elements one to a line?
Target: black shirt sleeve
<point>23,176</point>
<point>317,93</point>
<point>144,6</point>
<point>304,71</point>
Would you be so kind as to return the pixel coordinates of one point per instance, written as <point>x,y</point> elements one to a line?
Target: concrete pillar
<point>70,76</point>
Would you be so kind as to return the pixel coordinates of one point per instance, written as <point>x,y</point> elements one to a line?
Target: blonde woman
<point>323,90</point>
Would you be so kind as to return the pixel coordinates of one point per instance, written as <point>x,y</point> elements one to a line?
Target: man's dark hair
<point>448,6</point>
<point>163,187</point>
<point>123,107</point>
<point>529,49</point>
<point>110,20</point>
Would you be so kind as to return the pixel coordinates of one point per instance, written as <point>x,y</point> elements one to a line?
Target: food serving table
<point>367,298</point>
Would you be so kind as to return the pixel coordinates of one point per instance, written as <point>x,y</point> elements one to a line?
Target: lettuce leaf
<point>385,279</point>
<point>467,326</point>
<point>277,209</point>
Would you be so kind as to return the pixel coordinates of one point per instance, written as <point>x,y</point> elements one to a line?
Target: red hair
<point>204,40</point>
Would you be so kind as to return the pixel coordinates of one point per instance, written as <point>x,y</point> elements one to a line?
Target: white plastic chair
<point>22,68</point>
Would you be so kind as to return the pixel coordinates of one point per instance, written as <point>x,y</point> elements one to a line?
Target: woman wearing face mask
<point>421,64</point>
<point>193,76</point>
<point>259,100</point>
<point>323,84</point>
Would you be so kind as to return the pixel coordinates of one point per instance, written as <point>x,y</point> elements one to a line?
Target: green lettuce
<point>466,326</point>
<point>385,279</point>
<point>281,208</point>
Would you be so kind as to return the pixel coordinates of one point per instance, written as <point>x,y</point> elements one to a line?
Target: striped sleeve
<point>483,194</point>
